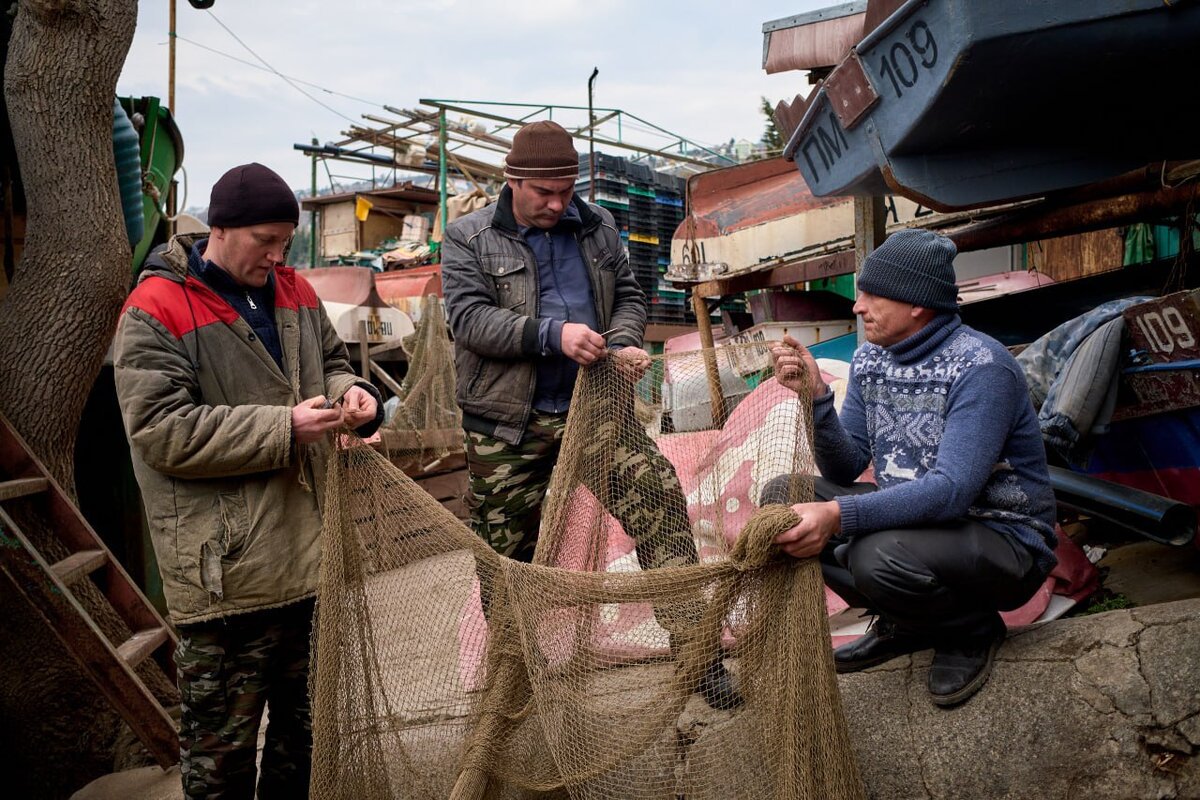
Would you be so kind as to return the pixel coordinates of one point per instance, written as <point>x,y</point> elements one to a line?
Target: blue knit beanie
<point>913,266</point>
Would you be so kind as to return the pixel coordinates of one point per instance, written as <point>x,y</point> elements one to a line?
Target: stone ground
<point>1097,707</point>
<point>1103,707</point>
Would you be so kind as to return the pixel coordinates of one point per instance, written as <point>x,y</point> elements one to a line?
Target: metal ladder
<point>48,588</point>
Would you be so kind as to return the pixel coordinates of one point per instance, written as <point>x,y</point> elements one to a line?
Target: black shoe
<point>717,688</point>
<point>961,668</point>
<point>882,642</point>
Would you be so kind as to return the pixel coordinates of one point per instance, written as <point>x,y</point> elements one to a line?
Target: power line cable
<point>261,68</point>
<point>296,83</point>
<point>288,80</point>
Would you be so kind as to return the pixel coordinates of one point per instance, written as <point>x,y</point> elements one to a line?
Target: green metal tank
<point>127,154</point>
<point>161,157</point>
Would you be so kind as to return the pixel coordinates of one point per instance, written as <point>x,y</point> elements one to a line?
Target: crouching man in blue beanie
<point>961,524</point>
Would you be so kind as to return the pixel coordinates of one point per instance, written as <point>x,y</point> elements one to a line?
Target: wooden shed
<point>343,231</point>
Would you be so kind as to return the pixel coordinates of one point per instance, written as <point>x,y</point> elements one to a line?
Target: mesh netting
<point>659,647</point>
<point>427,425</point>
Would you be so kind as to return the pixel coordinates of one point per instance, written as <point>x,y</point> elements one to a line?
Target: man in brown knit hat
<point>536,286</point>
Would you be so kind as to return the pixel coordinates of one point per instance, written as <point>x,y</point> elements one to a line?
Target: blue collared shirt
<point>564,295</point>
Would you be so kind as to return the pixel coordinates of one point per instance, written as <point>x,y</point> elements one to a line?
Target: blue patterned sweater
<point>946,417</point>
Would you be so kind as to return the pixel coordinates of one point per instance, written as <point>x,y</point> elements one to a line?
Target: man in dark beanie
<point>536,286</point>
<point>230,379</point>
<point>961,525</point>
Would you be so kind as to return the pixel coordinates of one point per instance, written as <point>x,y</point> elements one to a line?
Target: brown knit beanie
<point>544,150</point>
<point>251,195</point>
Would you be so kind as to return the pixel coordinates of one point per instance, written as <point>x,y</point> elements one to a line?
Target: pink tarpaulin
<point>722,474</point>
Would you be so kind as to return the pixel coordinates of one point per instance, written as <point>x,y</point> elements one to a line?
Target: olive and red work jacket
<point>233,503</point>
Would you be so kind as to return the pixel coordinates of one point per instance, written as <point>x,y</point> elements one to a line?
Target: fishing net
<point>427,425</point>
<point>660,646</point>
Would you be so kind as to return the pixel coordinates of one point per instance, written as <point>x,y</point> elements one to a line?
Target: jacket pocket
<point>603,259</point>
<point>227,545</point>
<point>509,277</point>
<point>235,522</point>
<point>473,384</point>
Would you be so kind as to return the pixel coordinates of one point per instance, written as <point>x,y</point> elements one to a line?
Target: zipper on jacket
<point>250,300</point>
<point>537,309</point>
<point>560,369</point>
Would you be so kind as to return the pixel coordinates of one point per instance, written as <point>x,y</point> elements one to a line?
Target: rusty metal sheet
<point>825,266</point>
<point>406,192</point>
<point>850,92</point>
<point>878,11</point>
<point>788,116</point>
<point>809,41</point>
<point>1165,332</point>
<point>749,194</point>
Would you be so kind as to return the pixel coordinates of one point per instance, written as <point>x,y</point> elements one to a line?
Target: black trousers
<point>939,581</point>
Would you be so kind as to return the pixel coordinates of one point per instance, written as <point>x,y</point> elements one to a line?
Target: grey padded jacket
<point>490,282</point>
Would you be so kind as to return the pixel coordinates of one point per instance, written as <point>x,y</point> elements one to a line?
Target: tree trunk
<point>58,317</point>
<point>56,322</point>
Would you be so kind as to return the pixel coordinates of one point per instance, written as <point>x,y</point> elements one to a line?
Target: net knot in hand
<point>755,547</point>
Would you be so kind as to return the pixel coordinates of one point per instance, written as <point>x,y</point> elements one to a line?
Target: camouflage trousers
<point>509,482</point>
<point>229,670</point>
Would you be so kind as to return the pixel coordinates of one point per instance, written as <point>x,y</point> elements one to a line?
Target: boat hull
<point>960,104</point>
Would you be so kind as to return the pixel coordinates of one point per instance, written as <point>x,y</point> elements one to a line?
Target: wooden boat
<point>352,302</point>
<point>405,289</point>
<point>961,104</point>
<point>761,214</point>
<point>1153,443</point>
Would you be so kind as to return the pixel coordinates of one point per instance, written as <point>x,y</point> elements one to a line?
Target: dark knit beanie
<point>913,266</point>
<point>251,195</point>
<point>542,150</point>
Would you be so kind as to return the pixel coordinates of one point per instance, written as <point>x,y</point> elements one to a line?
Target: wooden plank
<point>716,397</point>
<point>386,379</point>
<point>458,508</point>
<point>338,229</point>
<point>1068,257</point>
<point>120,589</point>
<point>70,526</point>
<point>36,581</point>
<point>870,229</point>
<point>659,332</point>
<point>784,274</point>
<point>450,463</point>
<point>22,487</point>
<point>134,650</point>
<point>1166,329</point>
<point>450,438</point>
<point>79,565</point>
<point>364,350</point>
<point>445,486</point>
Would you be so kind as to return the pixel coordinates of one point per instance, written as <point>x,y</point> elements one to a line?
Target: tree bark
<point>56,322</point>
<point>58,317</point>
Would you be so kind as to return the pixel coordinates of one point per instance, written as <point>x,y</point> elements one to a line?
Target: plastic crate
<point>640,173</point>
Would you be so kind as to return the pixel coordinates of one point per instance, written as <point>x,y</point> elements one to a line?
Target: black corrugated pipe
<point>1151,515</point>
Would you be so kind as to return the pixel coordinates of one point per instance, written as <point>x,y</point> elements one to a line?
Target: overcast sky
<point>694,68</point>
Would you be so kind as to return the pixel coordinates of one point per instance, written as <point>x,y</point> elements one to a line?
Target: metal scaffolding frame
<point>426,140</point>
